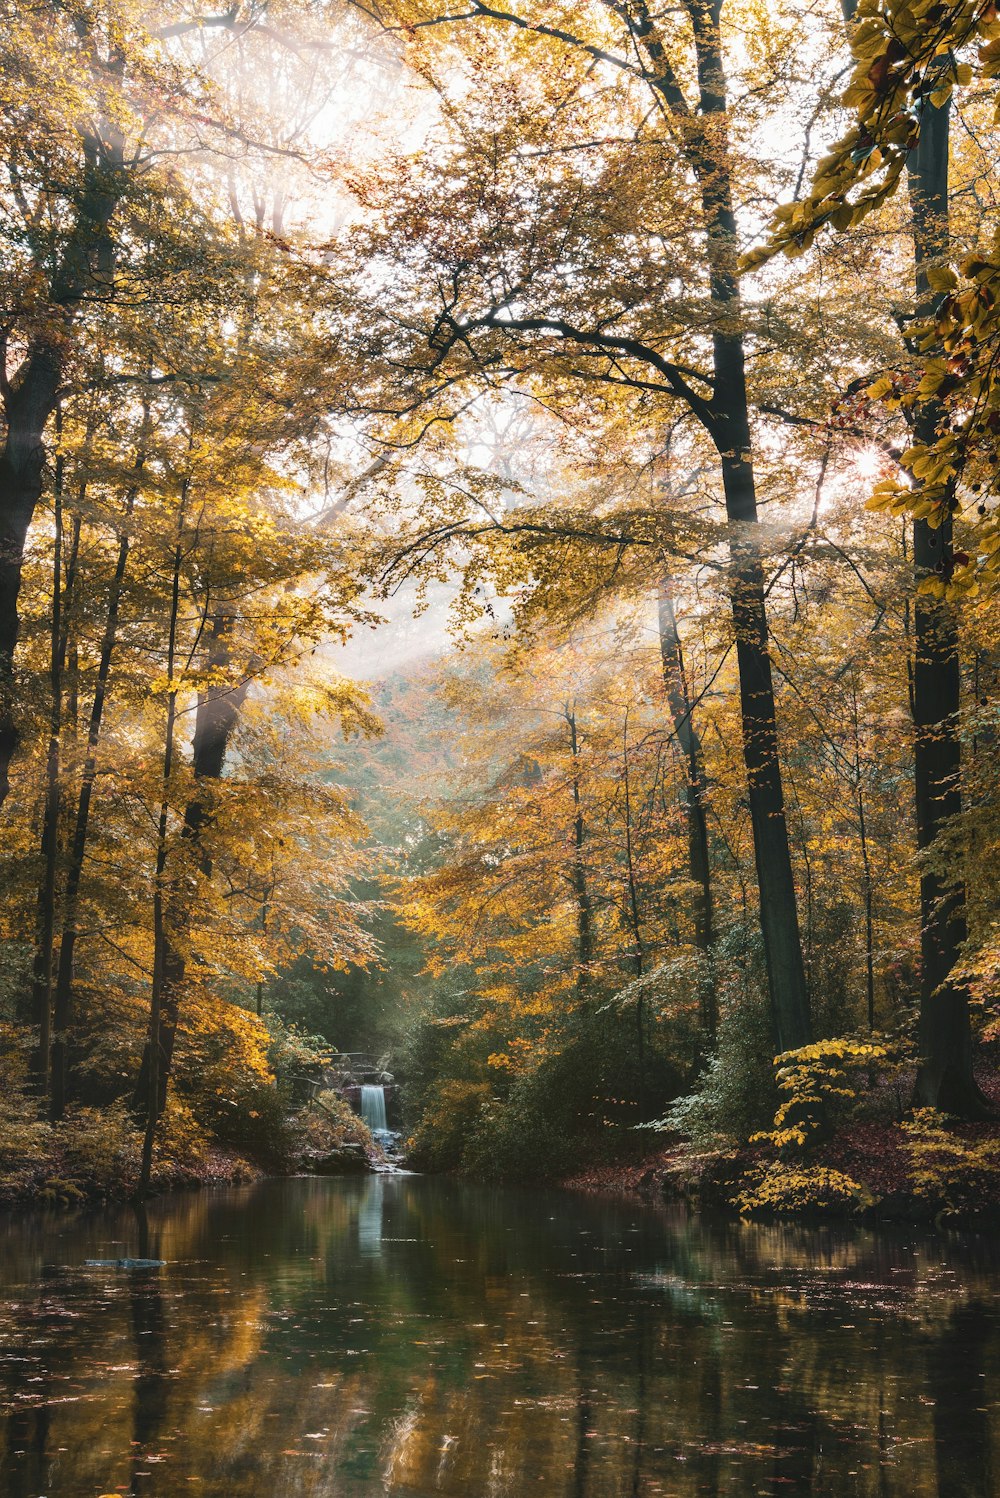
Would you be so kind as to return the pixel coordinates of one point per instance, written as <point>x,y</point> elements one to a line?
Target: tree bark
<point>695,799</point>
<point>945,1077</point>
<point>216,717</point>
<point>152,1054</point>
<point>41,985</point>
<point>634,921</point>
<point>33,392</point>
<point>65,970</point>
<point>27,409</point>
<point>584,909</point>
<point>731,433</point>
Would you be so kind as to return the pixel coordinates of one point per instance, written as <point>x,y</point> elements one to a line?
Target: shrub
<point>949,1172</point>
<point>822,1085</point>
<point>181,1142</point>
<point>98,1151</point>
<point>25,1139</point>
<point>517,1140</point>
<point>451,1111</point>
<point>736,1092</point>
<point>792,1187</point>
<point>329,1122</point>
<point>251,1116</point>
<point>295,1058</point>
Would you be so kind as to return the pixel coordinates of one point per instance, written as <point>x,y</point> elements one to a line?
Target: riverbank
<point>93,1155</point>
<point>923,1170</point>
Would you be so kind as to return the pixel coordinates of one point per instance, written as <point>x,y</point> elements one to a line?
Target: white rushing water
<point>373,1109</point>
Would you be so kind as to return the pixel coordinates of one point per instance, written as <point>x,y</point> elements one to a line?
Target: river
<point>407,1336</point>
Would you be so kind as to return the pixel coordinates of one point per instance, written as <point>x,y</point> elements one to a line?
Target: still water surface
<point>409,1336</point>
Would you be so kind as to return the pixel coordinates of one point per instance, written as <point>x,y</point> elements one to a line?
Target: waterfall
<point>373,1109</point>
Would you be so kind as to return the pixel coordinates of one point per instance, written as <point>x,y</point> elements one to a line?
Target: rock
<point>350,1160</point>
<point>125,1263</point>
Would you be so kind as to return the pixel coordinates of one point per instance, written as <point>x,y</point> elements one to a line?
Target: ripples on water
<point>408,1336</point>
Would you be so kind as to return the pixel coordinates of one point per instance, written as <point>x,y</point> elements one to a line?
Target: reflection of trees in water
<point>149,1332</point>
<point>412,1337</point>
<point>958,1379</point>
<point>26,1460</point>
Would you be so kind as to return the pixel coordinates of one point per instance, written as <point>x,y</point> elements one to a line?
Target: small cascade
<point>373,1109</point>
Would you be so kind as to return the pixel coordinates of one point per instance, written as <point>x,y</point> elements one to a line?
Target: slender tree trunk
<point>265,911</point>
<point>44,962</point>
<point>634,921</point>
<point>216,717</point>
<point>868,883</point>
<point>584,911</point>
<point>869,894</point>
<point>808,891</point>
<point>945,1078</point>
<point>632,889</point>
<point>730,429</point>
<point>152,1056</point>
<point>65,971</point>
<point>695,799</point>
<point>41,986</point>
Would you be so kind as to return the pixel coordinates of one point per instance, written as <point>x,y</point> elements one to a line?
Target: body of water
<point>404,1336</point>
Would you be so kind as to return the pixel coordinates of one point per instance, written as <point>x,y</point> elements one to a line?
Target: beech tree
<point>908,61</point>
<point>579,279</point>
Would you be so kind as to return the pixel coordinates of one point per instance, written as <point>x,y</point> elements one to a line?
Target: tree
<point>601,293</point>
<point>906,69</point>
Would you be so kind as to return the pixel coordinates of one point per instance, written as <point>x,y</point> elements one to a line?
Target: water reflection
<point>400,1336</point>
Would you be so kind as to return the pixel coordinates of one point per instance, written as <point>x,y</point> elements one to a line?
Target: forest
<point>499,551</point>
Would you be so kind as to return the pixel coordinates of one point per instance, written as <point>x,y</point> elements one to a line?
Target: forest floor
<point>93,1156</point>
<point>57,1181</point>
<point>923,1172</point>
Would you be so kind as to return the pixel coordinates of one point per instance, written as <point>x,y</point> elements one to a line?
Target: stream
<point>405,1335</point>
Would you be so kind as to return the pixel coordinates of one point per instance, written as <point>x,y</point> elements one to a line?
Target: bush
<point>329,1122</point>
<point>949,1172</point>
<point>25,1139</point>
<point>296,1059</point>
<point>98,1151</point>
<point>250,1116</point>
<point>181,1142</point>
<point>518,1140</point>
<point>451,1111</point>
<point>783,1187</point>
<point>736,1093</point>
<point>821,1084</point>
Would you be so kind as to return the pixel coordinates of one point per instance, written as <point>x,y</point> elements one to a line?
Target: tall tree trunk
<point>867,881</point>
<point>44,961</point>
<point>216,717</point>
<point>584,909</point>
<point>41,984</point>
<point>65,970</point>
<point>635,922</point>
<point>32,393</point>
<point>27,409</point>
<point>945,1078</point>
<point>730,429</point>
<point>152,1054</point>
<point>869,896</point>
<point>695,799</point>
